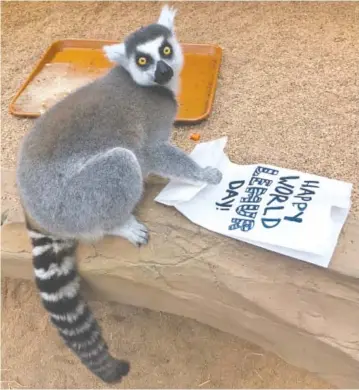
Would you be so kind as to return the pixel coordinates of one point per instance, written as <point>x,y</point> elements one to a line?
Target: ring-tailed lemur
<point>81,169</point>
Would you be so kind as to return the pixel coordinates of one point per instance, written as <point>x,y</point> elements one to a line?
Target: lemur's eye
<point>142,61</point>
<point>166,51</point>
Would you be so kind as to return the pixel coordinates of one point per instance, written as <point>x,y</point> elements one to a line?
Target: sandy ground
<point>287,95</point>
<point>166,351</point>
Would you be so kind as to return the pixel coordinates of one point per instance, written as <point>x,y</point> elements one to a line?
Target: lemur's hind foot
<point>133,231</point>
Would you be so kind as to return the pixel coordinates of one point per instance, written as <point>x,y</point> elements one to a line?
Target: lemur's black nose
<point>163,73</point>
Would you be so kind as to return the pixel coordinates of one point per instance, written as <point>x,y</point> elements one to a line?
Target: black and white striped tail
<point>59,285</point>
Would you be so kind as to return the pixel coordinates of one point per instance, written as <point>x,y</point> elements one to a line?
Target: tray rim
<point>36,68</point>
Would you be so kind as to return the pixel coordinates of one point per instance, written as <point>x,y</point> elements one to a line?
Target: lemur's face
<point>156,61</point>
<point>152,54</point>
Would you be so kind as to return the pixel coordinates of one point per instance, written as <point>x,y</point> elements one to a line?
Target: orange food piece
<point>195,137</point>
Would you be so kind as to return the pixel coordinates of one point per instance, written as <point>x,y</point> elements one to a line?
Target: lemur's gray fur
<point>81,170</point>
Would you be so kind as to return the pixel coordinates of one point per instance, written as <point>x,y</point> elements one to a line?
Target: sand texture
<point>166,351</point>
<point>287,95</point>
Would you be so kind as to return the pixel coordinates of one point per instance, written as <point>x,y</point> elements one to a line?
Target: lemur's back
<point>110,111</point>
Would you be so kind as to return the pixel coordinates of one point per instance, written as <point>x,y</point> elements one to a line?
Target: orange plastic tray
<point>69,64</point>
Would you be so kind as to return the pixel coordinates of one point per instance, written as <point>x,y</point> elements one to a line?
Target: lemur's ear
<point>167,17</point>
<point>116,53</point>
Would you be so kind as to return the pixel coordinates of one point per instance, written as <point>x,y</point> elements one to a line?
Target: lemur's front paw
<point>212,175</point>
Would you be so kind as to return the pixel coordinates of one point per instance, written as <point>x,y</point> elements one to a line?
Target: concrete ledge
<point>307,315</point>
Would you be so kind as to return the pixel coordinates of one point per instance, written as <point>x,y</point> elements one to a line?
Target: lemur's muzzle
<point>163,73</point>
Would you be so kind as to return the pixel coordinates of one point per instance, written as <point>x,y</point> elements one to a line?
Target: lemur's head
<point>152,55</point>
